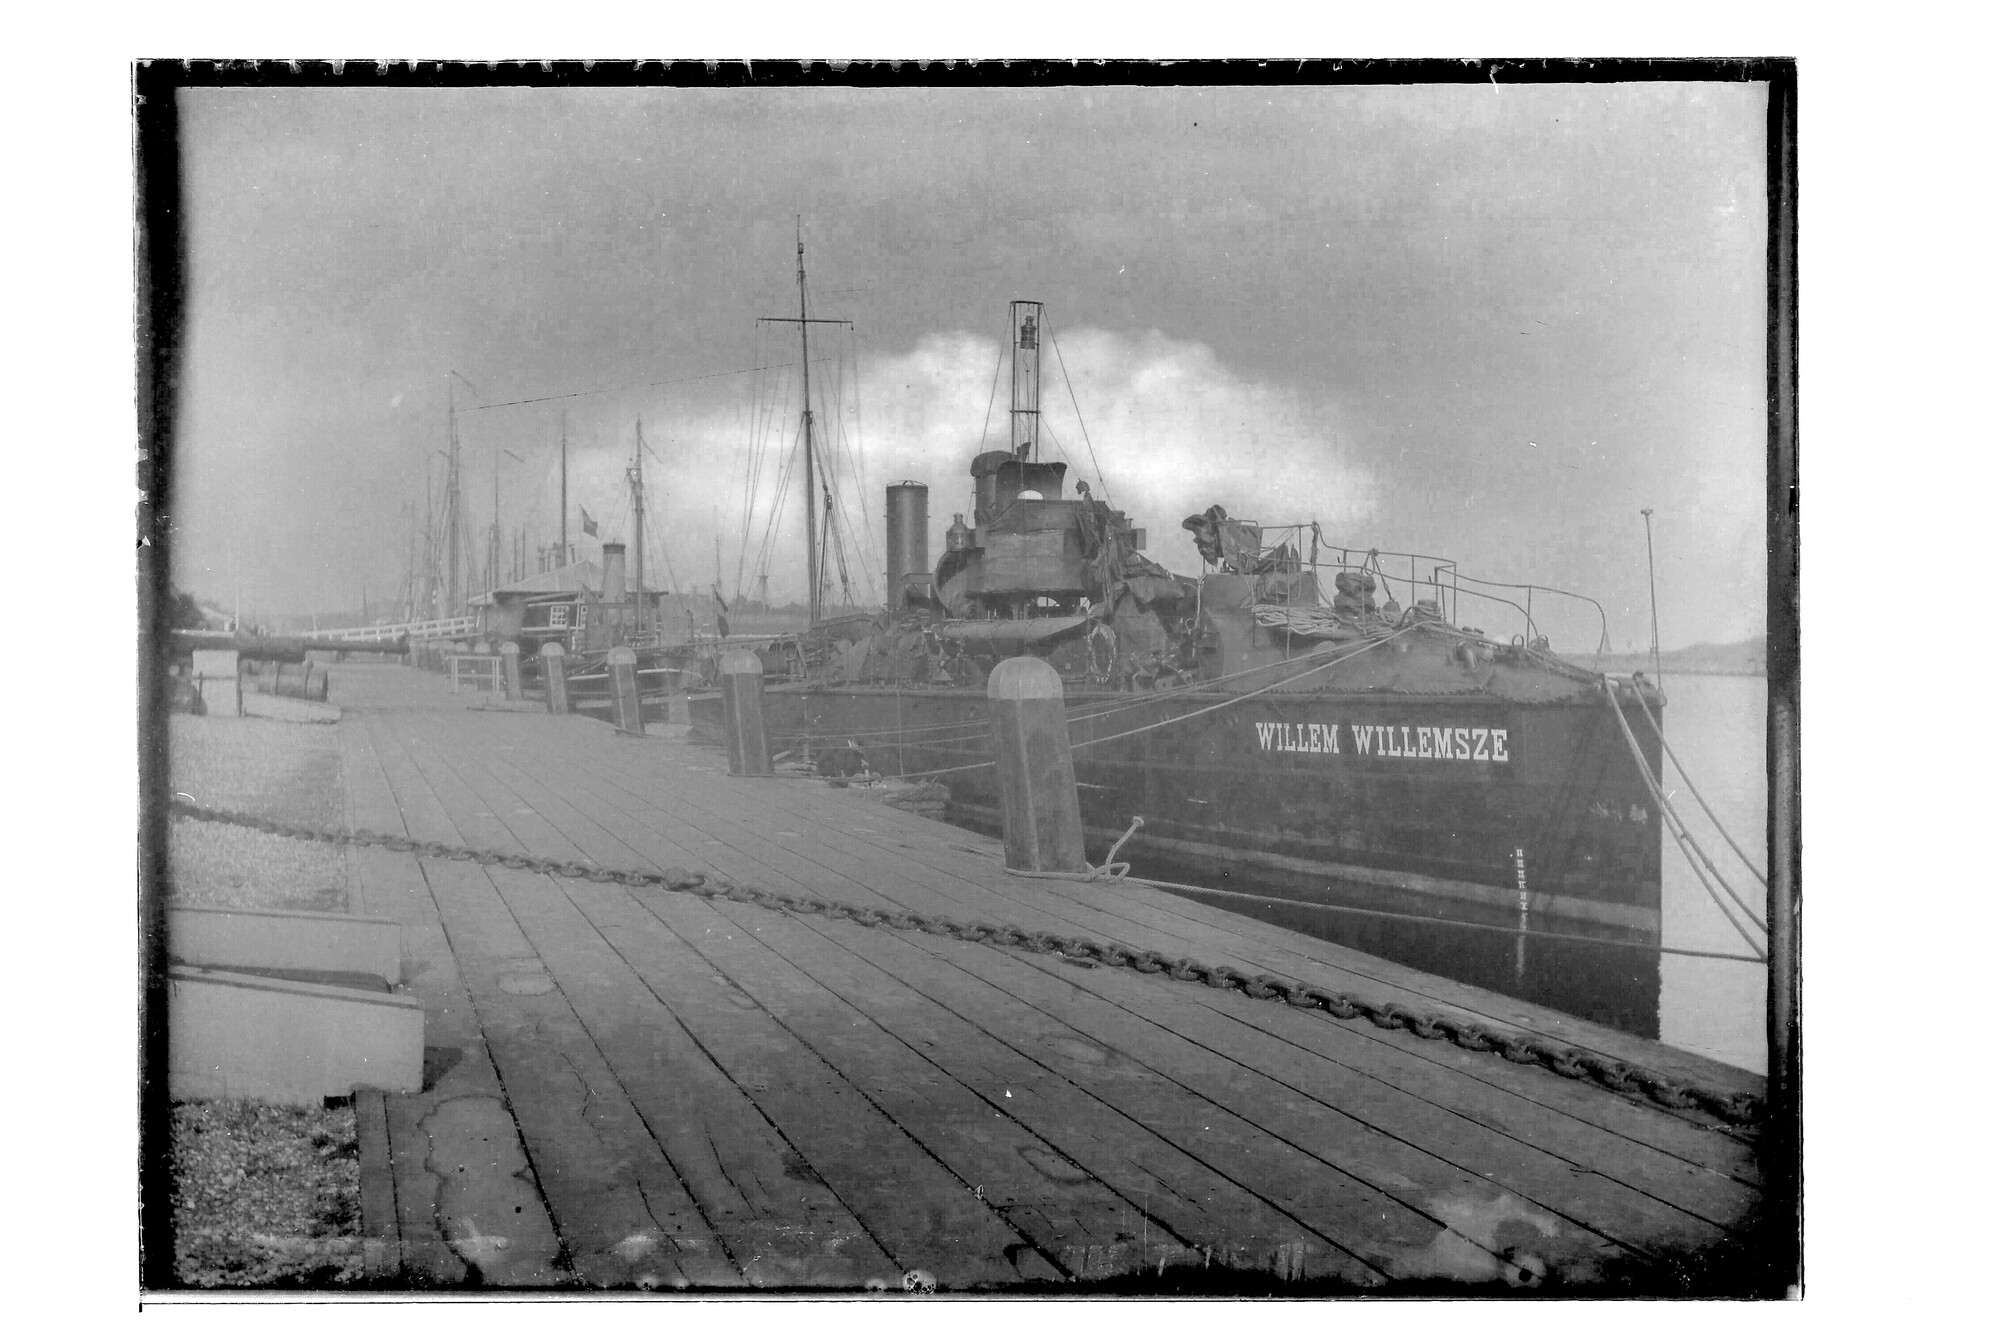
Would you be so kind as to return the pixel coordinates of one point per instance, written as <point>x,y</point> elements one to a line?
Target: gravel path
<point>264,1196</point>
<point>276,769</point>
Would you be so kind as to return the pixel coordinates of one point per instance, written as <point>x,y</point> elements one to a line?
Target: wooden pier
<point>713,1094</point>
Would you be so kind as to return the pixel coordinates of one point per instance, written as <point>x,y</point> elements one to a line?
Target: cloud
<point>1173,428</point>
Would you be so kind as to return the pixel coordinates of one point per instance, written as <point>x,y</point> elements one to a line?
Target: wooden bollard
<point>743,713</point>
<point>677,705</point>
<point>1041,825</point>
<point>555,685</point>
<point>510,670</point>
<point>623,665</point>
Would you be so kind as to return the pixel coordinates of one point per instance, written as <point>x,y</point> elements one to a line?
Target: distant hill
<point>1702,659</point>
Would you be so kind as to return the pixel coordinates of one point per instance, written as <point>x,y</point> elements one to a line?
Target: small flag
<point>589,523</point>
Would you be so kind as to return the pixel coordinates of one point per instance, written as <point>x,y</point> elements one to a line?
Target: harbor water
<point>1710,1006</point>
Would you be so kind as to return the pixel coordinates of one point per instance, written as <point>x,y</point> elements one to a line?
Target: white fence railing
<point>451,628</point>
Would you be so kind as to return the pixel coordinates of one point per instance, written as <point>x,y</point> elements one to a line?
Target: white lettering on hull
<point>1474,745</point>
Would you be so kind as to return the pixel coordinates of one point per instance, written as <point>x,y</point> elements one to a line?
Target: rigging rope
<point>1333,659</point>
<point>1104,492</point>
<point>1669,818</point>
<point>1688,778</point>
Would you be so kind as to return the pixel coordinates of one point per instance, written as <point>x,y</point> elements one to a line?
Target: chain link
<point>1614,1075</point>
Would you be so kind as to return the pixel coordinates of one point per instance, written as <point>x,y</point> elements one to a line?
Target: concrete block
<point>296,941</point>
<point>234,1035</point>
<point>221,696</point>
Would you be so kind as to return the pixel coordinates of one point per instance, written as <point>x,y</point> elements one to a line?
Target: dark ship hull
<point>1535,807</point>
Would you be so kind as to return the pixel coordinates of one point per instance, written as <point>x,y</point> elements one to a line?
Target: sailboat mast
<point>451,537</point>
<point>812,507</point>
<point>639,524</point>
<point>813,552</point>
<point>562,529</point>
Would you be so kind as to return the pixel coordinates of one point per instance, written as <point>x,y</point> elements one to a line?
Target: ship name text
<point>1467,744</point>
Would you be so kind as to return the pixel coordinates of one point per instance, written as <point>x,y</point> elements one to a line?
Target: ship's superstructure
<point>1272,711</point>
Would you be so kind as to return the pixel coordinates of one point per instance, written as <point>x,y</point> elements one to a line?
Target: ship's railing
<point>1431,577</point>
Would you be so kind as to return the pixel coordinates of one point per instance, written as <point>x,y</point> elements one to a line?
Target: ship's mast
<point>639,525</point>
<point>562,527</point>
<point>805,374</point>
<point>813,539</point>
<point>451,516</point>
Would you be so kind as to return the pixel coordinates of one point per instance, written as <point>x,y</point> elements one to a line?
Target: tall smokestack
<point>909,544</point>
<point>614,571</point>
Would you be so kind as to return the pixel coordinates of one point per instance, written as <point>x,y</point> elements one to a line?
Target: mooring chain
<point>1615,1075</point>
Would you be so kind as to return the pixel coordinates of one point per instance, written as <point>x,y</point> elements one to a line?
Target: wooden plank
<point>1195,1206</point>
<point>611,1182</point>
<point>1583,1147</point>
<point>1197,922</point>
<point>1641,1123</point>
<point>1082,1227</point>
<point>921,1214</point>
<point>458,1064</point>
<point>1372,1226</point>
<point>1698,1141</point>
<point>1282,1235</point>
<point>1608,1206</point>
<point>781,1227</point>
<point>1475,1099</point>
<point>632,805</point>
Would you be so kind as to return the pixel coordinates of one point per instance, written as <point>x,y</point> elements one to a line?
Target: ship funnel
<point>909,544</point>
<point>614,572</point>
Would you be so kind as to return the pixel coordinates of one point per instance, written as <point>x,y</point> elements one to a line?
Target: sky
<point>1484,322</point>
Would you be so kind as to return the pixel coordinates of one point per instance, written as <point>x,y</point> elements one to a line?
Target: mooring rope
<point>1693,791</point>
<point>1112,869</point>
<point>1670,818</point>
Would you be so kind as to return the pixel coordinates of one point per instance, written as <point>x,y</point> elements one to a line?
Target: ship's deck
<point>716,1094</point>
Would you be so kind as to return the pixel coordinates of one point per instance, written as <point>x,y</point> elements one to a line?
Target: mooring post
<point>510,670</point>
<point>555,685</point>
<point>677,702</point>
<point>623,665</point>
<point>1041,825</point>
<point>743,713</point>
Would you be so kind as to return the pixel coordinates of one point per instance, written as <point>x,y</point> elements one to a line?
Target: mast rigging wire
<point>1104,491</point>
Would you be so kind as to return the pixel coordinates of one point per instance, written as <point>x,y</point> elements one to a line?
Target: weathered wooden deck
<point>713,1094</point>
